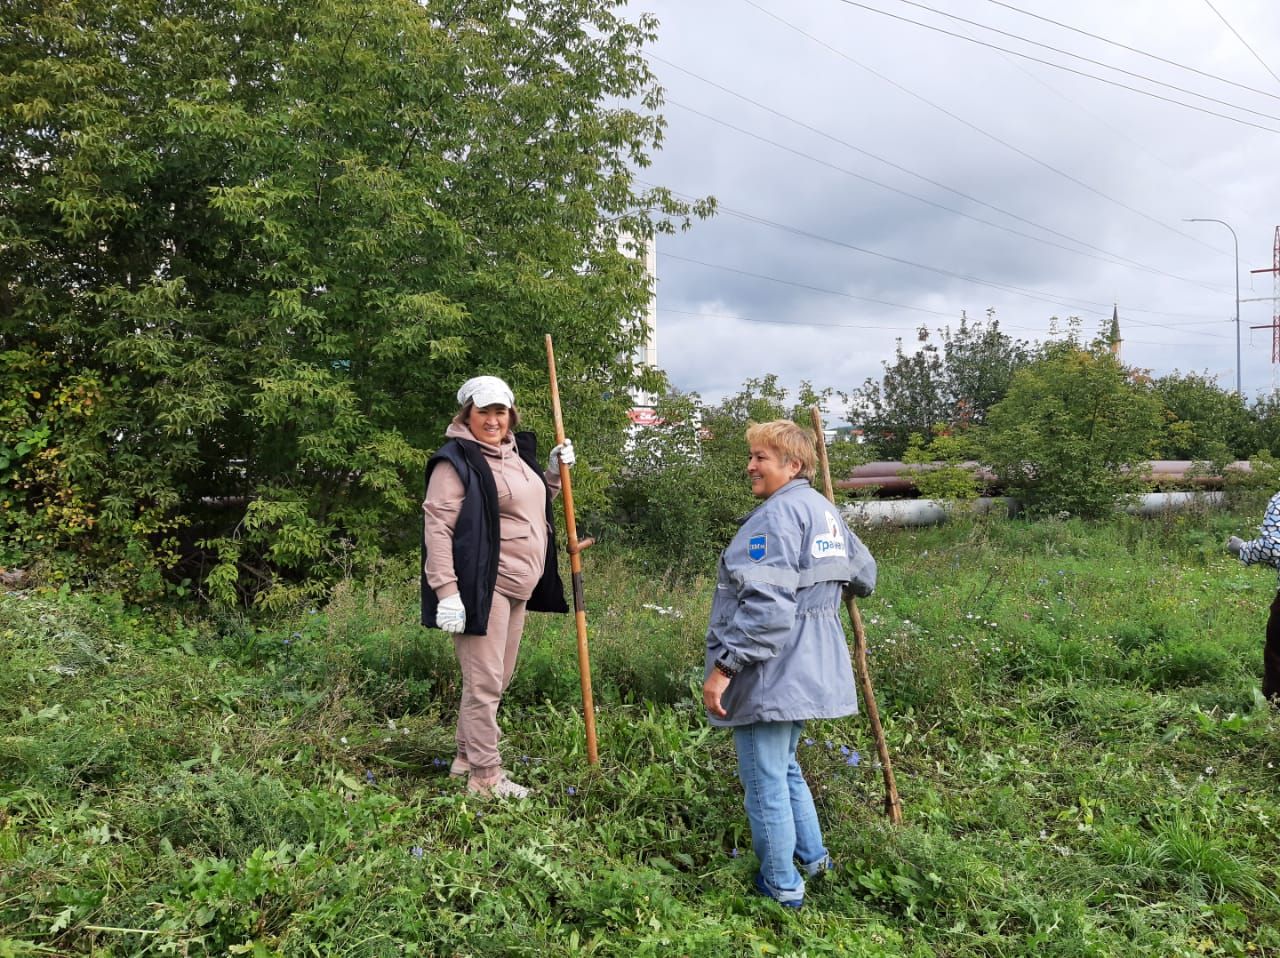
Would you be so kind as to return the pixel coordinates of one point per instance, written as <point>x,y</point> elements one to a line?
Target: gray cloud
<point>1156,163</point>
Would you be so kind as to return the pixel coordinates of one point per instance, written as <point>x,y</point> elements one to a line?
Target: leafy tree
<point>953,383</point>
<point>1202,420</point>
<point>1265,416</point>
<point>248,251</point>
<point>1072,432</point>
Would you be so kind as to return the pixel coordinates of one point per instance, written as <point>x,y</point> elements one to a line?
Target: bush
<point>1072,432</point>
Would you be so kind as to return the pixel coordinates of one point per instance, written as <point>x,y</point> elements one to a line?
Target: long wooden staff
<point>892,803</point>
<point>575,549</point>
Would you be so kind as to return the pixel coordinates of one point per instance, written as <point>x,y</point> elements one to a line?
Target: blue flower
<point>844,749</point>
<point>368,777</point>
<point>570,790</point>
<point>416,851</point>
<point>808,741</point>
<point>853,759</point>
<point>524,759</point>
<point>734,853</point>
<point>830,744</point>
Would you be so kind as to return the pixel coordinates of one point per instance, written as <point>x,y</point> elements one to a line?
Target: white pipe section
<point>932,512</point>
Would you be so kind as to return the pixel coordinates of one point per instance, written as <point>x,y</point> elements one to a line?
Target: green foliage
<point>950,476</point>
<point>1202,421</point>
<point>248,252</point>
<point>1071,433</point>
<point>954,384</point>
<point>220,787</point>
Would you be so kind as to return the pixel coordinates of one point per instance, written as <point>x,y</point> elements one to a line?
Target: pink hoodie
<point>522,505</point>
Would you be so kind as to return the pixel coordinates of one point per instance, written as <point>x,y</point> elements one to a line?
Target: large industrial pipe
<point>894,479</point>
<point>932,512</point>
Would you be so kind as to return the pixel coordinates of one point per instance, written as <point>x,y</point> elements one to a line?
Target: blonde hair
<point>463,417</point>
<point>791,442</point>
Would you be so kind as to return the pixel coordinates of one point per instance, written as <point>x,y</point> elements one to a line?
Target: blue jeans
<point>784,823</point>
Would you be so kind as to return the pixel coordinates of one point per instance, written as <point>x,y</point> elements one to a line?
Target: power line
<point>920,199</point>
<point>1244,41</point>
<point>1085,305</point>
<point>991,136</point>
<point>1107,256</point>
<point>1073,303</point>
<point>1143,53</point>
<point>787,282</point>
<point>891,329</point>
<point>788,322</point>
<point>1081,73</point>
<point>1133,49</point>
<point>1136,144</point>
<point>1059,50</point>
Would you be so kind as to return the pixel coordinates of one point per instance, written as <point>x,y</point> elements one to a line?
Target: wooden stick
<point>575,549</point>
<point>892,803</point>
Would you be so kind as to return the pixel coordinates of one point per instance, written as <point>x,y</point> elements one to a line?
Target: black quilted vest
<point>477,537</point>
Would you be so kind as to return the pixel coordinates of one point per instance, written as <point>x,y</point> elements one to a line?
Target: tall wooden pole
<point>892,803</point>
<point>575,549</point>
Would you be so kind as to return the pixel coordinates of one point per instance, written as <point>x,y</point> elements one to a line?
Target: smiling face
<point>769,472</point>
<point>489,424</point>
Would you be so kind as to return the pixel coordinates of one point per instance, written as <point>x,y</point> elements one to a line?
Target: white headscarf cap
<point>486,391</point>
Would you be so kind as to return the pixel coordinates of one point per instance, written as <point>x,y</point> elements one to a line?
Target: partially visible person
<point>488,557</point>
<point>776,649</point>
<point>1266,550</point>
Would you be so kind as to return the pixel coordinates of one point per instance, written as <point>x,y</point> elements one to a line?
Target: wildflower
<point>343,740</point>
<point>570,790</point>
<point>844,749</point>
<point>854,759</point>
<point>524,759</point>
<point>830,745</point>
<point>808,741</point>
<point>368,777</point>
<point>311,611</point>
<point>734,853</point>
<point>438,762</point>
<point>416,852</point>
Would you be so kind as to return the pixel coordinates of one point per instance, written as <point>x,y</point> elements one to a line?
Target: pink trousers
<point>487,662</point>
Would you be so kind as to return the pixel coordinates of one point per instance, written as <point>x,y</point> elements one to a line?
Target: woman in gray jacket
<point>776,649</point>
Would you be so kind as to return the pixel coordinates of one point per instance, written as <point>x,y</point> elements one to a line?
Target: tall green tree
<point>249,249</point>
<point>1203,421</point>
<point>951,382</point>
<point>1072,432</point>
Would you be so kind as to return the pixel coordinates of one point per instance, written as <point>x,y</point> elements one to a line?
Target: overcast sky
<point>1004,183</point>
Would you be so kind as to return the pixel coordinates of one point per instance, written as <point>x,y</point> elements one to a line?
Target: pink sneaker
<point>499,788</point>
<point>459,768</point>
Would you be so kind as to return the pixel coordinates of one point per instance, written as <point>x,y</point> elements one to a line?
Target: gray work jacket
<point>776,612</point>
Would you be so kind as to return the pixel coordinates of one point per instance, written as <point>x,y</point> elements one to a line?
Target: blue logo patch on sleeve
<point>757,547</point>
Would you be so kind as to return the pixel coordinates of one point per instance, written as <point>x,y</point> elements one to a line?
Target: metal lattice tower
<point>1275,309</point>
<point>1275,299</point>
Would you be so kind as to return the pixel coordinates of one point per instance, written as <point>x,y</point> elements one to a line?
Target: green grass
<point>1072,710</point>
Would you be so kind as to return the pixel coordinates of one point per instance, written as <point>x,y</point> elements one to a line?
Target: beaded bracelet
<point>724,670</point>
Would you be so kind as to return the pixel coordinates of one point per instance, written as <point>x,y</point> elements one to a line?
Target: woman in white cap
<point>488,557</point>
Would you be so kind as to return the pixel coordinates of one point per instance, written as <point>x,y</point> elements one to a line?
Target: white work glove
<point>450,615</point>
<point>561,453</point>
<point>1234,545</point>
